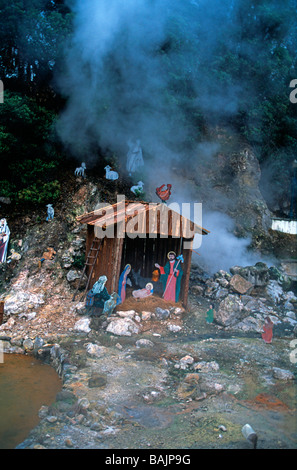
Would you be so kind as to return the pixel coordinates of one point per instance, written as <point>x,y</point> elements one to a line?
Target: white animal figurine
<point>110,175</point>
<point>80,171</point>
<point>137,188</point>
<point>50,212</point>
<point>14,255</point>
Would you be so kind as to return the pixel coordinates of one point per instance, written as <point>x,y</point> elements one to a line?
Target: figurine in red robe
<point>268,330</point>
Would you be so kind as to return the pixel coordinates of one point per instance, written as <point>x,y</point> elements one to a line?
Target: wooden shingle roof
<point>143,217</point>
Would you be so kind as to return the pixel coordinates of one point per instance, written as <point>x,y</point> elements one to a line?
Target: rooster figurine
<point>164,194</point>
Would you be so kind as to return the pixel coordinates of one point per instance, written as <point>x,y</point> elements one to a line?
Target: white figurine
<point>80,171</point>
<point>136,189</point>
<point>4,239</point>
<point>14,255</point>
<point>110,175</point>
<point>134,157</point>
<point>50,212</point>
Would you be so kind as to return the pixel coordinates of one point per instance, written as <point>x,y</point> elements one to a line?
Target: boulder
<point>258,275</point>
<point>144,343</point>
<point>240,284</point>
<point>21,301</point>
<point>282,374</point>
<point>123,327</point>
<point>73,277</point>
<point>95,350</point>
<point>83,325</point>
<point>274,291</point>
<point>231,311</point>
<point>161,313</point>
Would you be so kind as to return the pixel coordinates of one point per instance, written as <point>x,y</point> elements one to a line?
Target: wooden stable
<point>136,233</point>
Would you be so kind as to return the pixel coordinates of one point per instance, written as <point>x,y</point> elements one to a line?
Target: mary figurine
<point>122,284</point>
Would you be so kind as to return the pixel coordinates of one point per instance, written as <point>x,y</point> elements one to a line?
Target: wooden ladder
<point>90,261</point>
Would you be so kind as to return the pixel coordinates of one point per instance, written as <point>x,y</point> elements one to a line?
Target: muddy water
<point>25,385</point>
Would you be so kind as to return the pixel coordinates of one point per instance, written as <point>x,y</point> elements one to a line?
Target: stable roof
<point>143,217</point>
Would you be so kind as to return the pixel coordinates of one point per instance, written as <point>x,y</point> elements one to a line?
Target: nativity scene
<point>130,263</point>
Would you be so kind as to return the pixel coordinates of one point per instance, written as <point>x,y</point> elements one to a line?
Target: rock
<point>145,316</point>
<point>95,349</point>
<point>68,442</point>
<point>177,310</point>
<point>67,259</point>
<point>83,403</point>
<point>52,419</point>
<point>282,374</point>
<point>43,412</point>
<point>73,276</point>
<point>250,324</point>
<point>274,291</point>
<point>197,290</point>
<point>144,343</point>
<point>211,288</point>
<point>192,378</point>
<point>123,327</point>
<point>127,314</point>
<point>186,361</point>
<point>22,301</point>
<point>257,275</point>
<point>28,344</point>
<point>5,200</point>
<point>162,314</point>
<point>204,366</point>
<point>80,308</point>
<point>240,284</point>
<point>83,325</point>
<point>7,325</point>
<point>222,428</point>
<point>231,311</point>
<point>28,316</point>
<point>223,282</point>
<point>97,381</point>
<point>174,328</point>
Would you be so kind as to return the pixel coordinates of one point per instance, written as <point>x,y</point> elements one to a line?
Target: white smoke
<point>116,81</point>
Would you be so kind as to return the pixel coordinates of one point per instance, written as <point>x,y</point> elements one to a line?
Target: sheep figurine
<point>137,189</point>
<point>110,175</point>
<point>14,256</point>
<point>80,171</point>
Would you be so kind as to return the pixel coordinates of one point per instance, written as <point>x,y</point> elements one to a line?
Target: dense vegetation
<point>229,64</point>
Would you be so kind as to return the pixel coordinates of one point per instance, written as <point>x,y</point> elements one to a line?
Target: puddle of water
<point>25,385</point>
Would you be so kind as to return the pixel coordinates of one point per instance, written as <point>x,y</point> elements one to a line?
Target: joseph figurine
<point>171,275</point>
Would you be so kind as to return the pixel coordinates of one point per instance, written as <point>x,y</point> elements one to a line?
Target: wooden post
<point>1,311</point>
<point>187,254</point>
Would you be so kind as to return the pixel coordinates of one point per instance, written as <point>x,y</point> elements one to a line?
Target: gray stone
<point>282,374</point>
<point>161,313</point>
<point>240,284</point>
<point>123,327</point>
<point>231,311</point>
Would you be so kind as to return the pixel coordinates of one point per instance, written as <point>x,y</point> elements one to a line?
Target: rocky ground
<point>156,376</point>
<point>153,375</point>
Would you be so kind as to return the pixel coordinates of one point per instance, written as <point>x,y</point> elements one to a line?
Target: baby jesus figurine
<point>143,293</point>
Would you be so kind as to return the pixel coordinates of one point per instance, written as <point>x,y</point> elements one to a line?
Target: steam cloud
<point>115,77</point>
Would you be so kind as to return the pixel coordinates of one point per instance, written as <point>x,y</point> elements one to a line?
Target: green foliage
<point>29,155</point>
<point>39,192</point>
